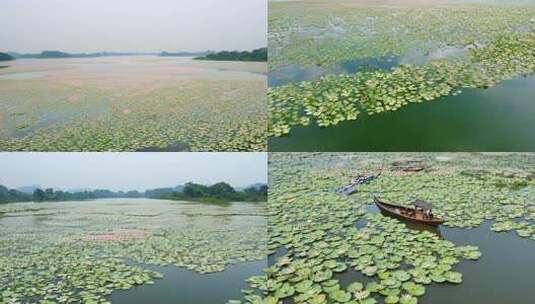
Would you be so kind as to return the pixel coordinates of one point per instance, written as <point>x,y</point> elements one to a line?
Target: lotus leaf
<point>314,230</point>
<point>404,56</point>
<point>167,104</point>
<point>82,252</point>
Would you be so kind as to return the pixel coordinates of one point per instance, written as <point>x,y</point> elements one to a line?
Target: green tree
<point>39,195</point>
<point>255,55</point>
<point>49,194</point>
<point>222,190</point>
<point>194,190</point>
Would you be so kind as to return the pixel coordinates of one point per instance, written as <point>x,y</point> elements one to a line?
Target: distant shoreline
<point>258,55</point>
<point>255,55</point>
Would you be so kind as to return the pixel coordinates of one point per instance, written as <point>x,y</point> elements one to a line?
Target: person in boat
<point>424,207</point>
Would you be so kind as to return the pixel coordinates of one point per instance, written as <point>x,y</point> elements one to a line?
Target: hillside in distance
<point>60,54</point>
<point>6,57</point>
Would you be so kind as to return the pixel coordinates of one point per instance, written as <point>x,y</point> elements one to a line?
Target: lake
<point>309,40</point>
<point>483,280</point>
<point>316,228</point>
<point>214,248</point>
<point>132,103</point>
<point>183,286</point>
<point>495,119</point>
<point>502,275</point>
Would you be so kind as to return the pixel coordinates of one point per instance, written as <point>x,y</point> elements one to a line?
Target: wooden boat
<point>421,212</point>
<point>409,166</point>
<point>359,180</point>
<point>413,169</point>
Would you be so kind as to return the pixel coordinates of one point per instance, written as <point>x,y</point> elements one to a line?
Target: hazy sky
<point>130,171</point>
<point>132,25</point>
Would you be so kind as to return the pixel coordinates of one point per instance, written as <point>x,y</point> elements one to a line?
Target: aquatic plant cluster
<point>317,235</point>
<point>497,40</point>
<point>82,252</point>
<point>326,33</point>
<point>199,108</point>
<point>466,199</point>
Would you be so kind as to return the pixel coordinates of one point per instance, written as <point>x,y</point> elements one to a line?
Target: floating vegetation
<point>316,235</point>
<point>160,104</point>
<point>497,40</point>
<point>80,252</point>
<point>323,33</point>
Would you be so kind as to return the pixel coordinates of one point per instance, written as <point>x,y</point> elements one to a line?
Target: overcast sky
<point>130,171</point>
<point>132,25</point>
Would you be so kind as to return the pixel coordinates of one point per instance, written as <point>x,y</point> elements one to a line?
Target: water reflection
<point>420,57</point>
<point>297,73</point>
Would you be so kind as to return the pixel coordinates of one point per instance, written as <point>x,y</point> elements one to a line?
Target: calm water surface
<point>188,287</point>
<point>178,285</point>
<point>504,274</point>
<point>500,118</point>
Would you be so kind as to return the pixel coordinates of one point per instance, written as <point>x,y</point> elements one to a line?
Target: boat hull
<point>404,213</point>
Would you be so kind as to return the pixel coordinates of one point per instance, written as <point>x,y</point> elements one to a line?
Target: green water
<point>504,273</point>
<point>500,118</point>
<point>202,233</point>
<point>188,287</point>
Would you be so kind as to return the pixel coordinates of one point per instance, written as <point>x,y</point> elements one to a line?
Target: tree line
<point>254,55</point>
<point>220,192</point>
<point>61,54</point>
<point>217,193</point>
<point>5,57</point>
<point>51,195</point>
